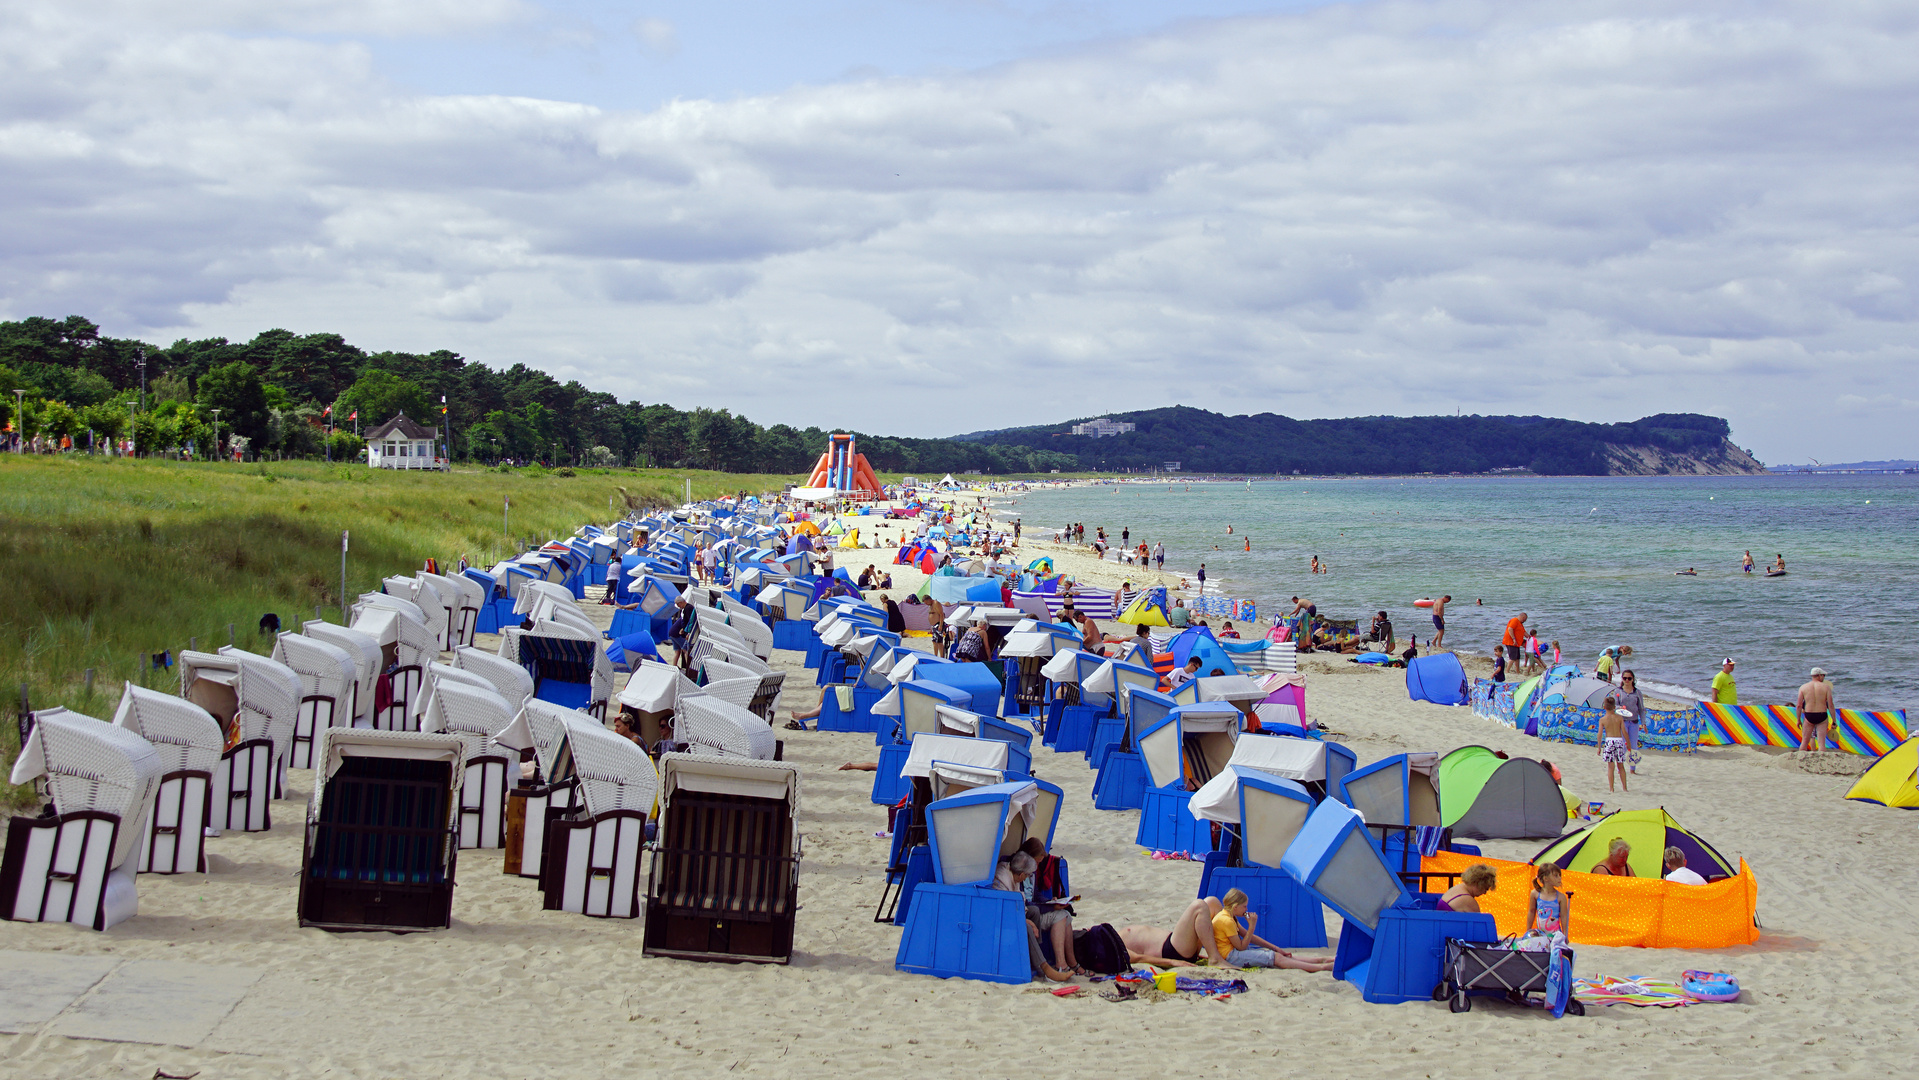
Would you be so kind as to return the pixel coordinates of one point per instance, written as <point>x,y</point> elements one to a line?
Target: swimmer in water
<point>1687,572</point>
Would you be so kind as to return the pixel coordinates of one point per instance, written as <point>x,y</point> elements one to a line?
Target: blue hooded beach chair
<point>959,925</point>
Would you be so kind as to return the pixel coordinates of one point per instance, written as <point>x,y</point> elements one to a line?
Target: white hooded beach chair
<point>710,725</point>
<point>477,715</point>
<point>540,727</point>
<point>451,593</point>
<point>256,701</point>
<point>328,679</point>
<point>527,601</point>
<point>1193,741</point>
<point>407,646</point>
<point>76,863</point>
<point>651,696</point>
<point>507,677</point>
<point>474,597</point>
<point>438,606</point>
<point>725,878</point>
<point>592,863</point>
<point>381,831</point>
<point>188,740</point>
<point>729,683</point>
<point>364,649</point>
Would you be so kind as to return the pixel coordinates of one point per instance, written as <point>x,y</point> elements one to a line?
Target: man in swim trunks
<point>1515,639</point>
<point>1815,710</point>
<point>1614,744</point>
<point>1439,622</point>
<point>1748,562</point>
<point>1191,935</point>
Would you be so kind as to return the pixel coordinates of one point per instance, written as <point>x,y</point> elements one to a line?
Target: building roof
<point>402,427</point>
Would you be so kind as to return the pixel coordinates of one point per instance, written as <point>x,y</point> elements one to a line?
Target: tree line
<point>1266,443</point>
<point>281,393</point>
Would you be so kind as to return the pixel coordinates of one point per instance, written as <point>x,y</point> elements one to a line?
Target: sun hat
<point>1818,671</point>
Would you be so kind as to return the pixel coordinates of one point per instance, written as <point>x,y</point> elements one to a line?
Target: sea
<point>1592,560</point>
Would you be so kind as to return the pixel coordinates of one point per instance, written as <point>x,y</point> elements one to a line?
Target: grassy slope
<point>111,560</point>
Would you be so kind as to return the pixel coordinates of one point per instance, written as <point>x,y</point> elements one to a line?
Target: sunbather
<point>1046,909</point>
<point>1615,864</point>
<point>1191,935</point>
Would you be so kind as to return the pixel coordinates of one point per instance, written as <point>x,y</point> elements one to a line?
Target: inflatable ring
<point>1710,985</point>
<point>1422,602</point>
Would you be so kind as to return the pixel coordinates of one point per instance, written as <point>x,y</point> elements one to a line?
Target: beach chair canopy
<point>1190,740</point>
<point>710,725</point>
<point>1484,796</point>
<point>508,678</point>
<point>541,727</point>
<point>1112,675</point>
<point>656,687</point>
<point>362,647</point>
<point>615,774</point>
<point>402,603</point>
<point>324,669</point>
<point>1271,814</point>
<point>1067,665</point>
<point>1650,832</point>
<point>1335,857</point>
<point>969,833</point>
<point>477,714</point>
<point>185,736</point>
<point>89,764</point>
<point>1398,790</point>
<point>957,749</point>
<point>259,697</point>
<point>1242,690</point>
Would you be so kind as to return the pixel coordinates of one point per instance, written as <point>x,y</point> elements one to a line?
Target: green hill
<point>1266,443</point>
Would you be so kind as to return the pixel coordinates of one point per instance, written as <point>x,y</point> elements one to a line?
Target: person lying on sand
<point>1192,934</point>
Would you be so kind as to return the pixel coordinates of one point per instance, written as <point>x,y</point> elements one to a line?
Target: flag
<point>328,411</point>
<point>355,415</point>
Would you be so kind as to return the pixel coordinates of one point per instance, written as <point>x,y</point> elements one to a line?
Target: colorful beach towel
<point>1640,990</point>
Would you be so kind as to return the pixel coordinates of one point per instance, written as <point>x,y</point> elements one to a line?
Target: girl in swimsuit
<point>1549,909</point>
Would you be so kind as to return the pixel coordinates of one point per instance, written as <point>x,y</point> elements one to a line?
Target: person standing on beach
<point>1632,706</point>
<point>1439,623</point>
<point>1202,577</point>
<point>1515,639</point>
<point>1016,525</point>
<point>1159,557</point>
<point>1815,710</point>
<point>1725,690</point>
<point>1126,535</point>
<point>1614,744</point>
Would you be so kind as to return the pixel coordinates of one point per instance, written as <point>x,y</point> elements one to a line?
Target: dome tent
<point>1650,832</point>
<point>1483,796</point>
<point>1438,678</point>
<point>1891,780</point>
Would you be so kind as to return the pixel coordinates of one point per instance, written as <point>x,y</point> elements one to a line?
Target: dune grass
<point>112,560</point>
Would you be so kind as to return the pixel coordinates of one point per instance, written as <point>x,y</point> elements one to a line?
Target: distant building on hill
<point>402,444</point>
<point>1101,427</point>
<point>1169,466</point>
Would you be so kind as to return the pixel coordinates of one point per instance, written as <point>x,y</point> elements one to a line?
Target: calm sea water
<point>1591,559</point>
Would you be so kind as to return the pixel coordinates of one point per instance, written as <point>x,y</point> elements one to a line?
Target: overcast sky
<point>931,216</point>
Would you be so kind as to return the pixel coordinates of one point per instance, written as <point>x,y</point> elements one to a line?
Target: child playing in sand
<point>1243,948</point>
<point>1549,910</point>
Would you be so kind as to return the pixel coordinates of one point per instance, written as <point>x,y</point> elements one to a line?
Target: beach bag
<point>1100,950</point>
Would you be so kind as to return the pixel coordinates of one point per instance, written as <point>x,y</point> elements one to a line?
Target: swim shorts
<point>1816,718</point>
<point>1167,952</point>
<point>1512,652</point>
<point>1613,751</point>
<point>1439,622</point>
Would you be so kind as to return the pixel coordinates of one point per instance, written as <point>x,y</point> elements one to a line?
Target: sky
<point>924,217</point>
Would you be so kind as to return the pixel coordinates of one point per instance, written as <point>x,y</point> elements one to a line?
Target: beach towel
<point>1640,990</point>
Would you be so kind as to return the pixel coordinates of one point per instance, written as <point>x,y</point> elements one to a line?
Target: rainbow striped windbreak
<point>1857,732</point>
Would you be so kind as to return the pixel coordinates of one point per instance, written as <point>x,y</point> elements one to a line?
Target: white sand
<point>514,991</point>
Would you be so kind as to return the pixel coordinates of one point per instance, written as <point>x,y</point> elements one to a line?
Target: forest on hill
<point>1266,443</point>
<point>294,395</point>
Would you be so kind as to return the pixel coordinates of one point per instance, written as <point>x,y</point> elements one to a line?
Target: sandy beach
<point>514,991</point>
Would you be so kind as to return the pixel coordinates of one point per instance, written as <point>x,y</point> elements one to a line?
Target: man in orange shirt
<point>1515,639</point>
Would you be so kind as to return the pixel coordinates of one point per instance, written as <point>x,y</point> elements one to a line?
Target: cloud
<point>657,35</point>
<point>1598,209</point>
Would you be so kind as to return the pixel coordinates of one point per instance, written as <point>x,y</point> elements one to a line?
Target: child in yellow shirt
<point>1243,948</point>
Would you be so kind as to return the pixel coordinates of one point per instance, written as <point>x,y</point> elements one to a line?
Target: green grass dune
<point>112,560</point>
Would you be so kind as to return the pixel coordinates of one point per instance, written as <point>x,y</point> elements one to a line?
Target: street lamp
<point>140,361</point>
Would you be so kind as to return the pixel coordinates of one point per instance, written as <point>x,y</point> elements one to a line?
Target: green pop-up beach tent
<point>1485,796</point>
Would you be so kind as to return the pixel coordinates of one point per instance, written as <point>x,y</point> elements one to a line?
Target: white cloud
<point>1601,210</point>
<point>657,35</point>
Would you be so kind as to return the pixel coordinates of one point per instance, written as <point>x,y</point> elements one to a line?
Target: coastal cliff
<point>1722,460</point>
